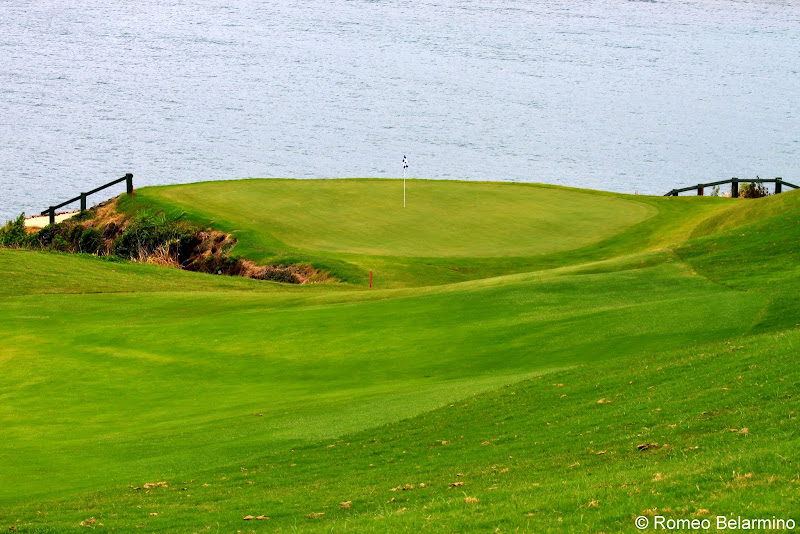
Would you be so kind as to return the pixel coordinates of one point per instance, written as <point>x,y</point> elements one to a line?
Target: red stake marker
<point>370,278</point>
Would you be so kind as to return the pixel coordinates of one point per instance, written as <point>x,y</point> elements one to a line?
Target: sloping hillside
<point>563,382</point>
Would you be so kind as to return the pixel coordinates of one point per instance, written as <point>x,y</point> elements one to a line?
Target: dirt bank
<point>158,239</point>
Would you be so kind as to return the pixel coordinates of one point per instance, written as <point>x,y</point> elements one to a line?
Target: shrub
<point>73,236</point>
<point>13,233</point>
<point>147,232</point>
<point>83,216</point>
<point>58,236</point>
<point>46,235</point>
<point>753,190</point>
<point>59,243</point>
<point>90,241</point>
<point>111,230</point>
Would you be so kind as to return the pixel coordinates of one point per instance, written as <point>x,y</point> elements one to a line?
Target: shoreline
<point>40,221</point>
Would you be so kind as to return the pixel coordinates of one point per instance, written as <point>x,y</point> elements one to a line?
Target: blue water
<point>609,94</point>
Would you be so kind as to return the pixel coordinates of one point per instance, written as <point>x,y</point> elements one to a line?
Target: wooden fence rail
<point>779,182</point>
<point>128,179</point>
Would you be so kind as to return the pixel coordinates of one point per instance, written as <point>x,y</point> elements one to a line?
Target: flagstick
<point>404,187</point>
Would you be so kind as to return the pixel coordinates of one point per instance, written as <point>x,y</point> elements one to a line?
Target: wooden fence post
<point>778,185</point>
<point>128,178</point>
<point>735,188</point>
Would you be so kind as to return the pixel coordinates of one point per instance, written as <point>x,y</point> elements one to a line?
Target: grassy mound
<point>450,231</point>
<point>518,398</point>
<point>442,219</point>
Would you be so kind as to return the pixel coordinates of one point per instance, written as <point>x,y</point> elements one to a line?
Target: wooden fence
<point>779,182</point>
<point>128,179</point>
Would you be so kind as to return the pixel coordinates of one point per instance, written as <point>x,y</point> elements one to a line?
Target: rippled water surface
<point>608,94</point>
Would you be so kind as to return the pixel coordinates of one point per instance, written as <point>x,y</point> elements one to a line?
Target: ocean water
<point>619,95</point>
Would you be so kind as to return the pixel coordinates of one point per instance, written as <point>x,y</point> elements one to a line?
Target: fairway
<point>523,345</point>
<point>459,219</point>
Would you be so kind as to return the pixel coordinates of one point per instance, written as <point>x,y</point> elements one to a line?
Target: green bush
<point>59,243</point>
<point>73,236</point>
<point>91,240</point>
<point>46,235</point>
<point>148,231</point>
<point>13,233</point>
<point>57,237</point>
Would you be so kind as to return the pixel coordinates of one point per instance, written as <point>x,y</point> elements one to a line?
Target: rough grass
<point>519,401</point>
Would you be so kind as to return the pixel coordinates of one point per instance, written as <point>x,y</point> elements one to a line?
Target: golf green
<point>459,219</point>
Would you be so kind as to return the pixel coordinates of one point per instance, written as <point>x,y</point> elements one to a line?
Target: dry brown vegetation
<point>198,249</point>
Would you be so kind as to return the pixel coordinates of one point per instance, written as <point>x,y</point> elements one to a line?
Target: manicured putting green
<point>441,219</point>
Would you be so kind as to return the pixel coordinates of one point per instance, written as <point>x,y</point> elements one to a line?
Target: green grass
<point>259,398</point>
<point>442,219</point>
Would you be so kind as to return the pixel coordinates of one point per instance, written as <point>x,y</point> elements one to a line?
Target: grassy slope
<point>755,248</point>
<point>168,384</point>
<point>722,416</point>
